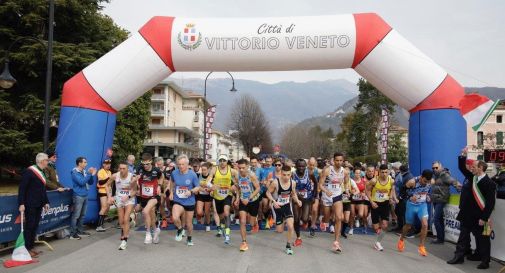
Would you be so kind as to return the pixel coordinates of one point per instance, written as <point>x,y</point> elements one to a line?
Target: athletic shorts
<point>329,201</point>
<point>347,206</point>
<point>102,194</point>
<point>381,212</point>
<point>221,203</point>
<point>186,208</point>
<point>121,204</point>
<point>358,202</point>
<point>203,198</point>
<point>143,201</point>
<point>413,211</point>
<point>263,195</point>
<point>252,207</point>
<point>282,213</point>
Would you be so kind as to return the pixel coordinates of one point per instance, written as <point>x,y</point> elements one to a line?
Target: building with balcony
<point>176,122</point>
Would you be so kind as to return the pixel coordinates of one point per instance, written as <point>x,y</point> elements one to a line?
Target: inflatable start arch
<point>164,45</point>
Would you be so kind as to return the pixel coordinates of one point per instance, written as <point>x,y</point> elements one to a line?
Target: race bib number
<point>381,196</point>
<point>283,199</point>
<point>244,187</point>
<point>421,197</point>
<point>357,197</point>
<point>147,190</point>
<point>304,194</point>
<point>123,192</point>
<point>345,197</point>
<point>223,192</point>
<point>182,192</point>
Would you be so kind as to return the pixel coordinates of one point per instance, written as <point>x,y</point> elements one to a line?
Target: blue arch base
<point>436,135</point>
<point>88,133</point>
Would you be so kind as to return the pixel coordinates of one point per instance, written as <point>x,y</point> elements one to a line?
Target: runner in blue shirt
<point>185,184</point>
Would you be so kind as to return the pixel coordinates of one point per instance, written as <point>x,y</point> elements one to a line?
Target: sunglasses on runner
<point>278,165</point>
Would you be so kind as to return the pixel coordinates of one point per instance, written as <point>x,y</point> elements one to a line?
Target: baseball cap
<point>107,161</point>
<point>222,157</point>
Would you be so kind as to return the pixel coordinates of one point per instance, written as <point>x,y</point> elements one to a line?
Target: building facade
<point>176,122</point>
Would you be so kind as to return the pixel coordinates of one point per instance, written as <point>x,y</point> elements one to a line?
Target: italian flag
<point>476,109</point>
<point>20,255</point>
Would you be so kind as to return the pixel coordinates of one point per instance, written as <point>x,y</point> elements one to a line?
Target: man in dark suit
<point>477,202</point>
<point>32,198</point>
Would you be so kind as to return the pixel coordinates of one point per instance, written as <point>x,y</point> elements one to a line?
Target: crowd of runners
<point>305,195</point>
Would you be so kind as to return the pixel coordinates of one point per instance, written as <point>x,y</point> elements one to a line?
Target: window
<point>156,121</point>
<point>158,91</point>
<point>149,135</point>
<point>499,118</point>
<point>158,106</point>
<point>499,138</point>
<point>480,138</point>
<point>480,157</point>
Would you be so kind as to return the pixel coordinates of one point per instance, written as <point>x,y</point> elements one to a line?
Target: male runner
<point>247,199</point>
<point>123,198</point>
<point>305,191</point>
<point>331,181</point>
<point>223,177</point>
<point>280,193</point>
<point>381,192</point>
<point>149,180</point>
<point>184,185</point>
<point>418,194</point>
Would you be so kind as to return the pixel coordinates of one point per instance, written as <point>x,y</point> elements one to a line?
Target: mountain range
<point>312,103</point>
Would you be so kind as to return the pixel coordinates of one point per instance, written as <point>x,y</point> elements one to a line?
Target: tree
<point>249,121</point>
<point>81,35</point>
<point>397,151</point>
<point>131,128</point>
<point>300,142</point>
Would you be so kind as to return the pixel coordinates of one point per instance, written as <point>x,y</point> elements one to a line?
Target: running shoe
<point>227,239</point>
<point>183,233</point>
<point>178,236</point>
<point>322,227</point>
<point>378,246</point>
<point>148,239</point>
<point>312,232</point>
<point>305,226</point>
<point>164,223</point>
<point>401,245</point>
<point>123,245</point>
<point>270,222</point>
<point>75,237</point>
<point>298,242</point>
<point>336,247</point>
<point>422,251</point>
<point>207,228</point>
<point>351,231</point>
<point>289,251</point>
<point>357,223</point>
<point>100,229</point>
<point>219,231</point>
<point>83,233</point>
<point>332,229</point>
<point>255,229</point>
<point>190,243</point>
<point>156,237</point>
<point>248,228</point>
<point>244,246</point>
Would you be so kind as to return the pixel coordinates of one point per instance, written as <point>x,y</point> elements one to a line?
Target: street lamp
<point>7,80</point>
<point>205,109</point>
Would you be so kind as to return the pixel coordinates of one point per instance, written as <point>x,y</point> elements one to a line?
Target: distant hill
<point>401,116</point>
<point>283,102</point>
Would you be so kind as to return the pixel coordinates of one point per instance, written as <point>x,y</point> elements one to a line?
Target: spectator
<point>440,193</point>
<point>32,198</point>
<point>53,182</point>
<point>476,205</point>
<point>401,190</point>
<point>131,164</point>
<point>103,176</point>
<point>81,180</point>
<point>499,179</point>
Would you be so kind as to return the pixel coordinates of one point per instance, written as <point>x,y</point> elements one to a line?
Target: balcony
<point>158,97</point>
<point>185,130</point>
<point>157,112</point>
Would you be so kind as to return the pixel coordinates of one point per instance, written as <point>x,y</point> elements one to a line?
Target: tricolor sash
<point>481,201</point>
<point>38,173</point>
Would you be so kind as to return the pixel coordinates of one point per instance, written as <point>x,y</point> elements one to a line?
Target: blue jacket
<point>81,182</point>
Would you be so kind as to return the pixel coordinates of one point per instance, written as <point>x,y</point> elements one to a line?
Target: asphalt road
<point>99,253</point>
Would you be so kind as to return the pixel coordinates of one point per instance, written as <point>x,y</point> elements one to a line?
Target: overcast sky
<point>465,37</point>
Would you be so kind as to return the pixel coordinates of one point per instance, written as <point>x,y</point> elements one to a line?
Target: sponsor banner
<point>57,217</point>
